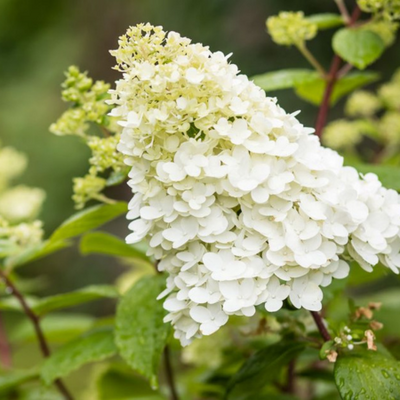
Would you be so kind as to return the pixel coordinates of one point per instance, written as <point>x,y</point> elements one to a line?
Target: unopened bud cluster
<point>386,9</point>
<point>374,115</point>
<point>89,107</point>
<point>291,28</point>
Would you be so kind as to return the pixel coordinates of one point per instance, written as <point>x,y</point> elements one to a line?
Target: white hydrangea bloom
<point>239,202</point>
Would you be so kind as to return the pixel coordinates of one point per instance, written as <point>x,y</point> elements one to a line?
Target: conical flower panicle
<point>238,201</point>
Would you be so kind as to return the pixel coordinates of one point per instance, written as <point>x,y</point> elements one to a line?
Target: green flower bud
<point>71,122</point>
<point>75,82</point>
<point>385,29</point>
<point>290,28</point>
<point>342,134</point>
<point>389,127</point>
<point>362,104</point>
<point>87,188</point>
<point>386,9</point>
<point>26,234</point>
<point>105,154</point>
<point>89,104</point>
<point>389,94</point>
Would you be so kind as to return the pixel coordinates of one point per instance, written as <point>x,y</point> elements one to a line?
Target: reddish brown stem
<point>324,108</point>
<point>44,347</point>
<point>5,348</point>
<point>321,326</point>
<point>331,79</point>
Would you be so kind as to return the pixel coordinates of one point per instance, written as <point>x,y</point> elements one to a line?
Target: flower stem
<point>170,374</point>
<point>321,326</point>
<point>343,11</point>
<point>291,378</point>
<point>330,83</point>
<point>44,347</point>
<point>311,59</point>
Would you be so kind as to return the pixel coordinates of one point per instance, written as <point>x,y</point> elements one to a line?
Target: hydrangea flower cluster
<point>239,202</point>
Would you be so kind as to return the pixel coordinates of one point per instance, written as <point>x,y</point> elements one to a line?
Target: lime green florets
<point>389,126</point>
<point>89,108</point>
<point>362,104</point>
<point>105,154</point>
<point>88,104</point>
<point>342,134</point>
<point>87,188</point>
<point>386,30</point>
<point>291,28</point>
<point>387,9</point>
<point>377,116</point>
<point>389,94</point>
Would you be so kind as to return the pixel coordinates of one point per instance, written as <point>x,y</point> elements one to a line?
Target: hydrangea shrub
<point>250,234</point>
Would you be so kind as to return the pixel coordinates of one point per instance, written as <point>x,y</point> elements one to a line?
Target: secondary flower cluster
<point>239,202</point>
<point>19,205</point>
<point>88,109</point>
<point>290,28</point>
<point>375,116</point>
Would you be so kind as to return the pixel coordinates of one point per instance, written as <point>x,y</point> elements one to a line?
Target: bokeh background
<point>39,39</point>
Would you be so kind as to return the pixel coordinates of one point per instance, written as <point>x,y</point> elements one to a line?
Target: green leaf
<point>367,375</point>
<point>284,79</point>
<point>264,365</point>
<point>269,396</point>
<point>88,219</point>
<point>141,334</point>
<point>104,243</point>
<point>58,328</point>
<point>36,252</point>
<point>389,175</point>
<point>117,178</point>
<point>11,380</point>
<point>119,383</point>
<point>84,295</point>
<point>314,90</point>
<point>12,304</point>
<point>326,20</point>
<point>359,47</point>
<point>327,346</point>
<point>7,247</point>
<point>93,347</point>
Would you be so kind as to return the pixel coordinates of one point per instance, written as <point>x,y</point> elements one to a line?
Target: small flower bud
<point>290,28</point>
<point>87,188</point>
<point>362,104</point>
<point>332,356</point>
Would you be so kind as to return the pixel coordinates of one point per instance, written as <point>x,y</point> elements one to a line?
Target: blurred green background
<point>39,39</point>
